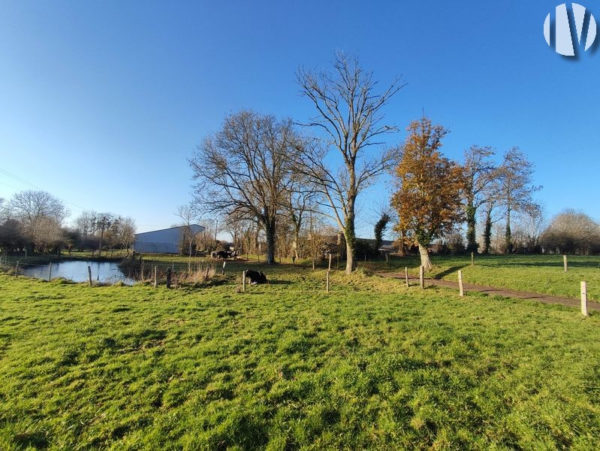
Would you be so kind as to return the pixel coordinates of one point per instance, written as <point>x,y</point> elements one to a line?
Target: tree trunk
<point>471,228</point>
<point>425,260</point>
<point>270,235</point>
<point>402,245</point>
<point>100,243</point>
<point>295,242</point>
<point>349,258</point>
<point>350,237</point>
<point>508,234</point>
<point>487,233</point>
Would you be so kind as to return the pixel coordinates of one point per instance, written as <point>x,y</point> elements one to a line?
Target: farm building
<point>166,241</point>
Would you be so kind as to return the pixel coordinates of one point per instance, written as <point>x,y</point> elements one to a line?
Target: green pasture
<point>287,366</point>
<point>535,273</point>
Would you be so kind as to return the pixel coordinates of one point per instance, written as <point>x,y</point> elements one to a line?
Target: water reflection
<point>77,271</point>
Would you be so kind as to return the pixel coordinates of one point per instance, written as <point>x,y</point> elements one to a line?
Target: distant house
<point>166,241</point>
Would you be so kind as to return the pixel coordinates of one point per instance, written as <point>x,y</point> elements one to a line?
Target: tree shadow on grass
<point>448,271</point>
<point>279,282</point>
<point>571,264</point>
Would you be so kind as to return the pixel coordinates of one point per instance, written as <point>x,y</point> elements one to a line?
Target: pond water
<point>77,271</point>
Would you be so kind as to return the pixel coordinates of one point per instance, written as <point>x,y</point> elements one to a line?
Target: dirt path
<point>544,298</point>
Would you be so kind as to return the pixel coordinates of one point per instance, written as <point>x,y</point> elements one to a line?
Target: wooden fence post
<point>243,281</point>
<point>17,268</point>
<point>90,275</point>
<point>461,289</point>
<point>472,258</point>
<point>327,281</point>
<point>406,276</point>
<point>422,276</point>
<point>329,268</point>
<point>223,270</point>
<point>50,272</point>
<point>565,263</point>
<point>168,277</point>
<point>155,278</point>
<point>584,310</point>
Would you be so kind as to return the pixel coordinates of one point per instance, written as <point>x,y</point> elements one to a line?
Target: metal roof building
<point>165,241</point>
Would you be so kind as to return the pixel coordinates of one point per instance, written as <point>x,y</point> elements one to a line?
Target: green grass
<point>286,366</point>
<point>535,273</point>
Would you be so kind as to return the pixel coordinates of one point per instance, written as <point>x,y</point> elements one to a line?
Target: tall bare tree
<point>349,113</point>
<point>516,188</point>
<point>245,170</point>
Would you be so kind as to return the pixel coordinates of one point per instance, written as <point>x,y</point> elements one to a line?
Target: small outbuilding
<point>165,241</point>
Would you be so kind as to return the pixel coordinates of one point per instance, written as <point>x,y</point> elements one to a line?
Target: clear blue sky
<point>101,103</point>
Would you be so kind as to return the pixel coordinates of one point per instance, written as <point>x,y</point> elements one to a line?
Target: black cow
<point>222,255</point>
<point>256,277</point>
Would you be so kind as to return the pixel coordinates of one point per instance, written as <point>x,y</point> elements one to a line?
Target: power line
<point>33,185</point>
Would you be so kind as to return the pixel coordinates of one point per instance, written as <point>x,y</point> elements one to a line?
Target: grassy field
<point>535,273</point>
<point>284,366</point>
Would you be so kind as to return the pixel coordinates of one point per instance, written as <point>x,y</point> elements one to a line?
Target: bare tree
<point>86,223</point>
<point>516,190</point>
<point>527,230</point>
<point>103,222</point>
<point>126,233</point>
<point>236,228</point>
<point>572,232</point>
<point>488,222</point>
<point>47,234</point>
<point>479,173</point>
<point>300,200</point>
<point>349,113</point>
<point>245,170</point>
<point>29,206</point>
<point>40,215</point>
<point>189,214</point>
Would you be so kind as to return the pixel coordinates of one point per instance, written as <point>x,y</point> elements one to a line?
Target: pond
<point>77,271</point>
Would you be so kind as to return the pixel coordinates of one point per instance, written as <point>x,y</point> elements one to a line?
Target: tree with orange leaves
<point>428,200</point>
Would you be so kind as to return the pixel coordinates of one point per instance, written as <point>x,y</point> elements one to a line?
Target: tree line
<point>270,175</point>
<point>32,222</point>
<point>286,187</point>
